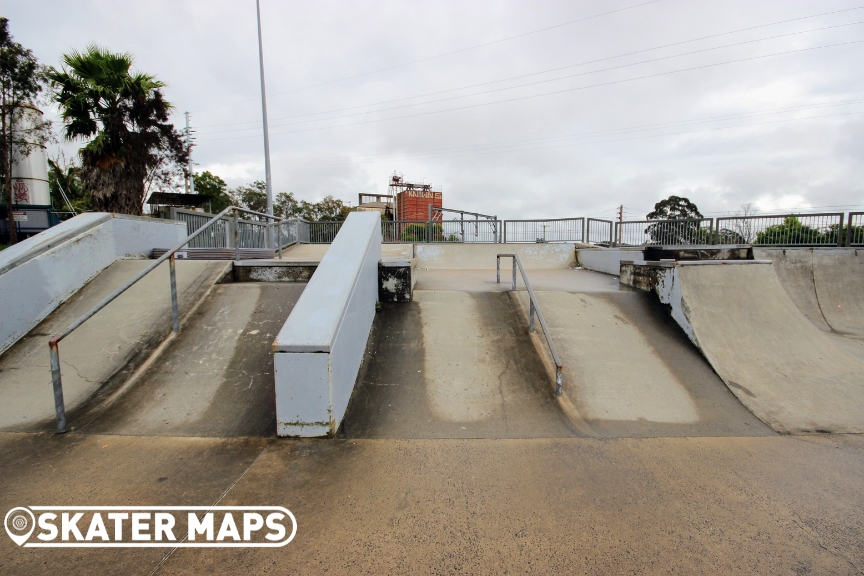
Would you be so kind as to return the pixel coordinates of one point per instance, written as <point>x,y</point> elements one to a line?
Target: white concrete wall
<point>606,260</point>
<point>318,352</point>
<point>40,273</point>
<point>446,256</point>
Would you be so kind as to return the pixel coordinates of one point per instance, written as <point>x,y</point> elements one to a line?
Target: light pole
<point>264,114</point>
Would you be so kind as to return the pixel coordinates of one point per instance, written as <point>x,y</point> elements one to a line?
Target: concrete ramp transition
<point>770,355</point>
<point>825,284</point>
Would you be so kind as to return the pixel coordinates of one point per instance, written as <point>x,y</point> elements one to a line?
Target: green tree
<point>674,208</point>
<point>252,197</point>
<point>329,208</point>
<point>22,80</point>
<point>64,179</point>
<point>132,145</point>
<point>792,231</point>
<point>685,232</point>
<point>211,185</point>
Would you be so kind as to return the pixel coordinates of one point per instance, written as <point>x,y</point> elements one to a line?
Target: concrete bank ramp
<point>217,377</point>
<point>629,371</point>
<point>784,369</point>
<point>825,284</point>
<point>106,350</point>
<point>454,364</point>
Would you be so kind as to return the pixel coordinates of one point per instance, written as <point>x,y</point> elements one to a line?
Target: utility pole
<point>264,114</point>
<point>620,224</point>
<point>190,180</point>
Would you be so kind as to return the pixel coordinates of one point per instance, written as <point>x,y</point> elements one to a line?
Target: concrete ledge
<point>317,353</point>
<point>607,260</point>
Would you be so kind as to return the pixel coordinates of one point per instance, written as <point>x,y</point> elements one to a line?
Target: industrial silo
<point>31,198</point>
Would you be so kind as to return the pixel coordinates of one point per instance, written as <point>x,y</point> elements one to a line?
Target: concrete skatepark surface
<point>455,456</point>
<point>785,370</point>
<point>629,371</point>
<point>777,505</point>
<point>105,350</point>
<point>217,378</point>
<point>825,284</point>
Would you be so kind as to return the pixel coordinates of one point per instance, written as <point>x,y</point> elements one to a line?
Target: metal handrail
<point>534,307</point>
<point>53,343</point>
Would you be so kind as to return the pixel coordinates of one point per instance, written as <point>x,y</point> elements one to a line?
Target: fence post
<point>848,230</point>
<point>583,230</point>
<point>279,237</point>
<point>236,235</point>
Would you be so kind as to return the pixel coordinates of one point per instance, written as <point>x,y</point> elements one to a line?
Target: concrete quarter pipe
<point>785,370</point>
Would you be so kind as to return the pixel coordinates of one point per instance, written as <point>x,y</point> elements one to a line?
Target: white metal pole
<point>264,114</point>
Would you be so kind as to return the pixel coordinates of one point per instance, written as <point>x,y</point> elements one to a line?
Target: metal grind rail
<point>53,343</point>
<point>534,308</point>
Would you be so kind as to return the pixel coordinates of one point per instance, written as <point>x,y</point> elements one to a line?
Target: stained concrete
<point>453,365</point>
<point>312,253</point>
<point>779,505</point>
<point>630,371</point>
<point>103,352</point>
<point>217,377</point>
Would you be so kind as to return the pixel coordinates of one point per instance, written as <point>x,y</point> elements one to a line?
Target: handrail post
<point>175,310</point>
<point>559,383</point>
<point>531,315</point>
<point>514,272</point>
<point>56,381</point>
<point>498,269</point>
<point>279,237</point>
<point>236,235</point>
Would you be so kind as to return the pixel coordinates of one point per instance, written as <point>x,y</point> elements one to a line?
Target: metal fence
<point>599,232</point>
<point>323,232</point>
<point>664,232</point>
<point>251,233</point>
<point>827,229</point>
<point>541,231</point>
<point>855,229</point>
<point>781,230</point>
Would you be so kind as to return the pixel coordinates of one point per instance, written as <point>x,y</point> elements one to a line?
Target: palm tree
<point>125,119</point>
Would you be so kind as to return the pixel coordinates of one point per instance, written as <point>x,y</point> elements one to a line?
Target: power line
<point>631,129</point>
<point>476,46</point>
<point>565,67</point>
<point>545,81</point>
<point>481,153</point>
<point>520,98</point>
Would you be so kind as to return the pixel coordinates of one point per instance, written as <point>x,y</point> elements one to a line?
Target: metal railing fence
<point>541,231</point>
<point>250,233</point>
<point>599,232</point>
<point>53,343</point>
<point>855,229</point>
<point>534,309</point>
<point>464,231</point>
<point>323,232</point>
<point>781,230</point>
<point>664,232</point>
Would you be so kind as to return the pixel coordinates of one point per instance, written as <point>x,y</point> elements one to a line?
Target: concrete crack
<point>216,503</point>
<point>813,537</point>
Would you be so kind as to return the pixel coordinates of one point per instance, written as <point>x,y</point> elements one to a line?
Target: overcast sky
<point>516,108</point>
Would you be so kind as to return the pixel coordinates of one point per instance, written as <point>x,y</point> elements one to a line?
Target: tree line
<point>129,146</point>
